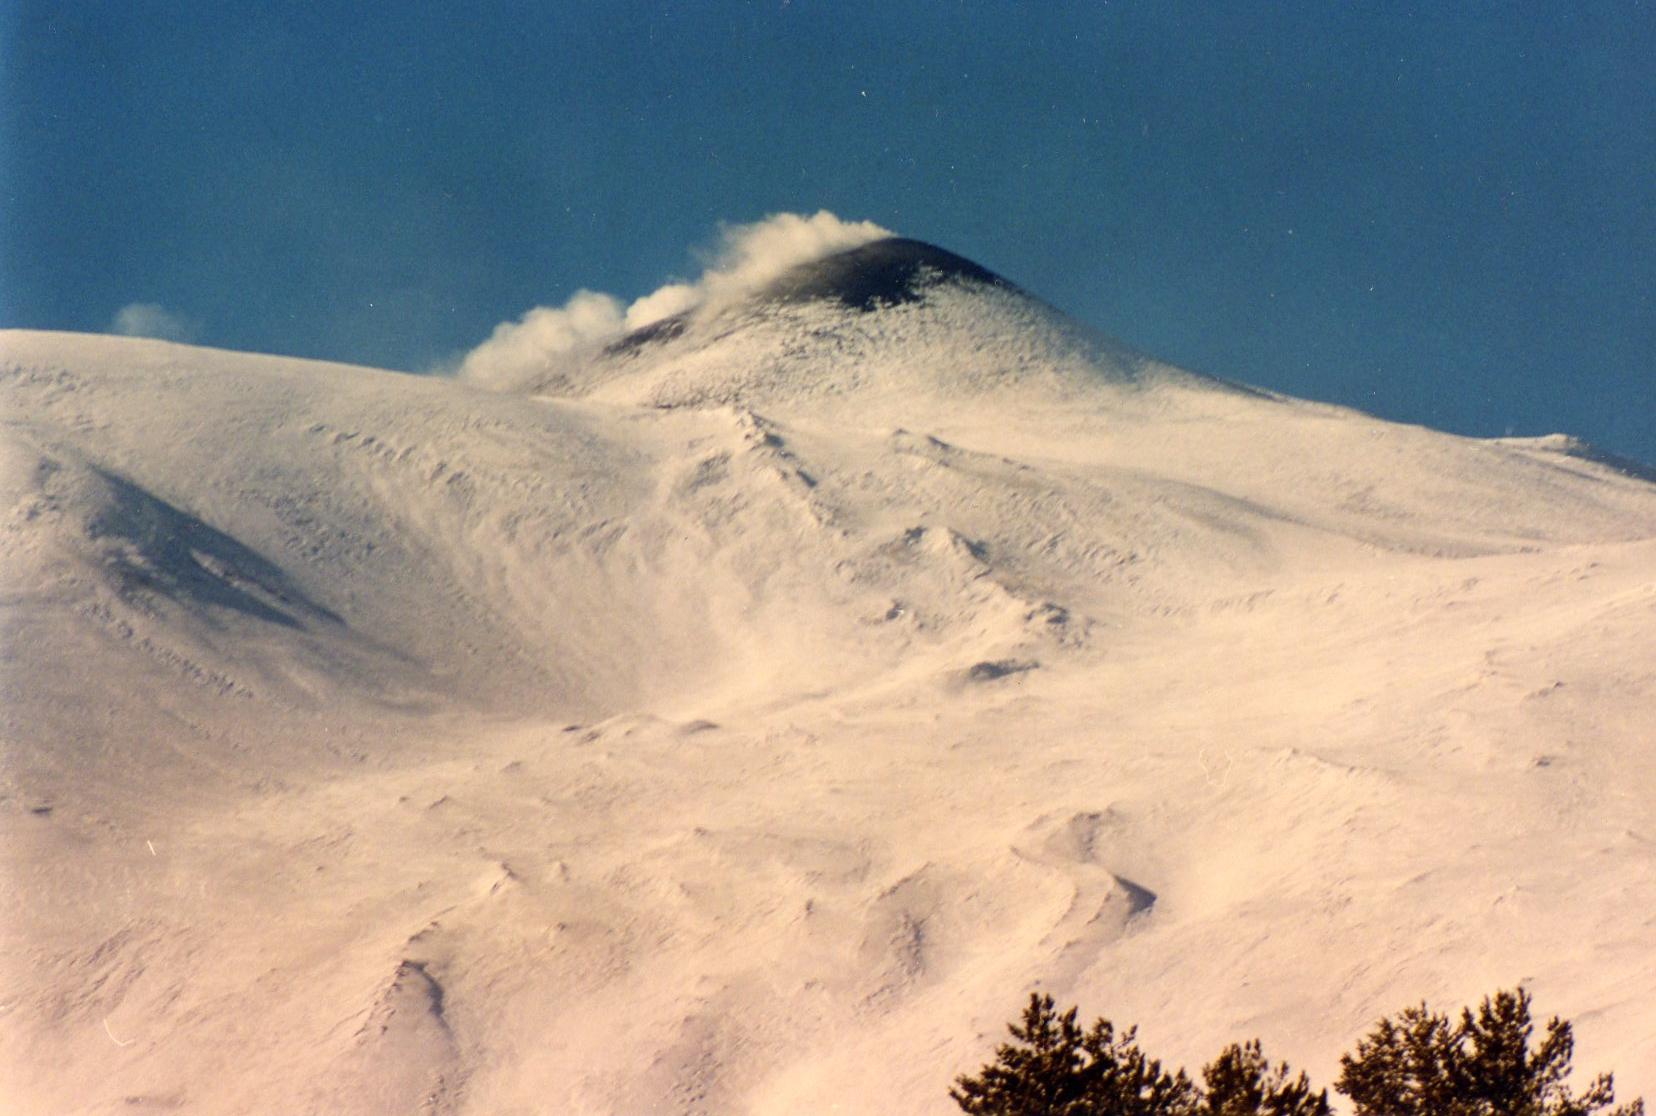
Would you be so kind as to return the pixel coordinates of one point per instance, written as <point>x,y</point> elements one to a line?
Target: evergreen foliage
<point>1419,1064</point>
<point>1057,1069</point>
<point>1242,1082</point>
<point>1422,1064</point>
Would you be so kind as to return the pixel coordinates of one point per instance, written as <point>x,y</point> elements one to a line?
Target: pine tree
<point>1057,1069</point>
<point>1405,1068</point>
<point>1242,1082</point>
<point>1419,1064</point>
<point>1424,1065</point>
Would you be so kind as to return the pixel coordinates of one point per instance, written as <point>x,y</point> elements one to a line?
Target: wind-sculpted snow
<point>744,717</point>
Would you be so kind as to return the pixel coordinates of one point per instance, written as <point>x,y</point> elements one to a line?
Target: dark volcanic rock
<point>880,273</point>
<point>664,330</point>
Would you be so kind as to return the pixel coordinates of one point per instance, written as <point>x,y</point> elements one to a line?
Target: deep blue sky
<point>1442,217</point>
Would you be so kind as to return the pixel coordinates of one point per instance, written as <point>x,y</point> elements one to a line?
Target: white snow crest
<point>747,258</point>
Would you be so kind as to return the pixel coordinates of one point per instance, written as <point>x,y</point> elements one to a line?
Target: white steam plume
<point>748,257</point>
<point>517,351</point>
<point>149,319</point>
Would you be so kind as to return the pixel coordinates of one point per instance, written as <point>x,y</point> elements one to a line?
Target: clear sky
<point>1443,213</point>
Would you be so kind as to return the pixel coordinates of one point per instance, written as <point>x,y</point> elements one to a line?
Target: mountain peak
<point>891,271</point>
<point>883,272</point>
<point>894,319</point>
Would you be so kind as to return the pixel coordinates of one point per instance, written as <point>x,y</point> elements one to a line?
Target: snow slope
<point>746,714</point>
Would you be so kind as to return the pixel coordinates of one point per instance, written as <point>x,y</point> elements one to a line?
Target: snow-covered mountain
<point>742,713</point>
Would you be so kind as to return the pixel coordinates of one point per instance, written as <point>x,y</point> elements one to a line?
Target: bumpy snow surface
<point>746,716</point>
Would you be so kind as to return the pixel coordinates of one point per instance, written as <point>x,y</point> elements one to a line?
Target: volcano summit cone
<point>881,273</point>
<point>893,317</point>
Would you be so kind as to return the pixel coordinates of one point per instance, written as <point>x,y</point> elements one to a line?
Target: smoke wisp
<point>748,257</point>
<point>149,319</point>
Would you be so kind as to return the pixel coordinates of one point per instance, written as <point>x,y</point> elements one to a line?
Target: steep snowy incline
<point>743,717</point>
<point>335,530</point>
